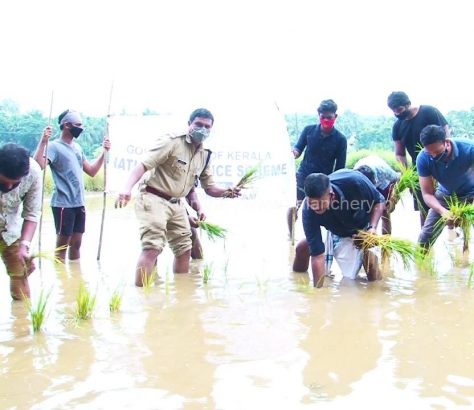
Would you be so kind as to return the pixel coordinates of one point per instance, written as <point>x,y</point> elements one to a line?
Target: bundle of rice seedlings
<point>38,311</point>
<point>50,255</point>
<point>408,180</point>
<point>407,251</point>
<point>213,231</point>
<point>247,179</point>
<point>462,215</point>
<point>85,303</point>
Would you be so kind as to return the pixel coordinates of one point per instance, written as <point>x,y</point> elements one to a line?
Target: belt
<point>162,195</point>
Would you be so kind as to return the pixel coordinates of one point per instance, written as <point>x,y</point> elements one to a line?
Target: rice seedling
<point>85,303</point>
<point>115,301</point>
<point>425,261</point>
<point>249,177</point>
<point>148,280</point>
<point>471,276</point>
<point>406,250</point>
<point>408,180</point>
<point>38,311</point>
<point>207,273</point>
<point>460,214</point>
<point>213,231</point>
<point>50,254</point>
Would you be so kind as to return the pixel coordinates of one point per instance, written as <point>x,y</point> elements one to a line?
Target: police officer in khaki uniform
<point>175,164</point>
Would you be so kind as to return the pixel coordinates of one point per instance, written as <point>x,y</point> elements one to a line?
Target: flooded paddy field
<point>255,336</point>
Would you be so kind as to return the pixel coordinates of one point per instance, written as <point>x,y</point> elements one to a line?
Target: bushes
<point>387,156</point>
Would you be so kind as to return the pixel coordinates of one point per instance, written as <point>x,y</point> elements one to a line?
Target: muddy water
<point>255,336</point>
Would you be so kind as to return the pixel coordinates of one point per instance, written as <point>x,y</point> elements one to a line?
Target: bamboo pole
<point>104,201</point>
<point>45,157</point>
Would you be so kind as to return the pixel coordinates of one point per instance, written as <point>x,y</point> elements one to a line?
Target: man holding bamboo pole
<point>175,165</point>
<point>20,198</point>
<point>344,203</point>
<point>67,163</point>
<point>450,162</point>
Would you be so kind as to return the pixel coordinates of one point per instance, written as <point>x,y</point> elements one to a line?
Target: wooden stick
<point>104,202</point>
<point>45,156</point>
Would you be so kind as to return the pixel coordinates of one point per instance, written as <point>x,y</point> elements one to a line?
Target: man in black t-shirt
<point>324,150</point>
<point>406,134</point>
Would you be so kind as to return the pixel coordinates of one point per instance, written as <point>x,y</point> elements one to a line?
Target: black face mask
<point>403,115</point>
<point>76,131</point>
<point>4,188</point>
<point>442,156</point>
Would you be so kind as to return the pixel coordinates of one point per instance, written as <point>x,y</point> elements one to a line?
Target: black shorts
<point>69,220</point>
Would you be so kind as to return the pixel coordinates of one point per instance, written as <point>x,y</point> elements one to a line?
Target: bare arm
<point>126,194</point>
<point>318,269</point>
<point>376,214</point>
<point>400,153</point>
<point>428,190</point>
<point>41,155</point>
<point>92,169</point>
<point>218,192</point>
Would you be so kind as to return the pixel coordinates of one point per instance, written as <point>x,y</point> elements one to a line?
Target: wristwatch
<point>370,226</point>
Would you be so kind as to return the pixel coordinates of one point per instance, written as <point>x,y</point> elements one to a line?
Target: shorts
<point>348,257</point>
<point>14,266</point>
<point>69,220</point>
<point>300,194</point>
<point>161,221</point>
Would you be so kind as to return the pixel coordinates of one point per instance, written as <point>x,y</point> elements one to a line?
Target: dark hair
<point>398,99</point>
<point>367,171</point>
<point>202,113</point>
<point>61,116</point>
<point>431,134</point>
<point>316,185</point>
<point>14,161</point>
<point>327,106</point>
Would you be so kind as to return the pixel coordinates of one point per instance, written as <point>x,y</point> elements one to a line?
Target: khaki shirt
<point>175,166</point>
<point>24,199</point>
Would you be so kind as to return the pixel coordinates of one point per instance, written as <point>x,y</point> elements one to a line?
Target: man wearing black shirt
<point>406,134</point>
<point>324,150</point>
<point>344,203</point>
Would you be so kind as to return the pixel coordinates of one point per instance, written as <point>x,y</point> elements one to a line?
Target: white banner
<point>243,136</point>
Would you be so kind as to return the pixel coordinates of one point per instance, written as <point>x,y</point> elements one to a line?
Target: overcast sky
<point>177,54</point>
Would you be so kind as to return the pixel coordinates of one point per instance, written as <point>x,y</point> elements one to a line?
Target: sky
<point>179,54</point>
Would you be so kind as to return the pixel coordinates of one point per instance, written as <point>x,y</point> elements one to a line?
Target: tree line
<point>362,131</point>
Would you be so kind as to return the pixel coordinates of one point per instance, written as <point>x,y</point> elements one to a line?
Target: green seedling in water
<point>85,303</point>
<point>115,301</point>
<point>207,273</point>
<point>38,311</point>
<point>148,281</point>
